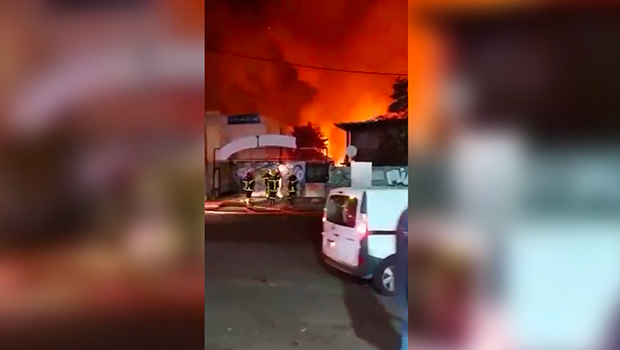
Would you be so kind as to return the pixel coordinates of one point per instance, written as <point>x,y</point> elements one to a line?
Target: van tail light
<point>324,215</point>
<point>362,225</point>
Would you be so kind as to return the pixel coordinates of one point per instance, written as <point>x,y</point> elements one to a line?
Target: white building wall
<point>215,137</point>
<point>218,133</point>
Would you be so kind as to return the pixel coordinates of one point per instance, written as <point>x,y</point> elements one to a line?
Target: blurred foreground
<point>101,107</point>
<point>515,233</point>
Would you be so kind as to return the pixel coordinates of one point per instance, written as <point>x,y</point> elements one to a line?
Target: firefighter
<point>248,186</point>
<point>278,177</point>
<point>293,187</point>
<point>272,182</point>
<point>267,177</point>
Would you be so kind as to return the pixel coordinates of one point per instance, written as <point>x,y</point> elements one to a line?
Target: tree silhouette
<point>310,141</point>
<point>399,96</point>
<point>393,147</point>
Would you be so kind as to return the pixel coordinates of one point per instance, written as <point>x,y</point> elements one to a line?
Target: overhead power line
<point>307,66</point>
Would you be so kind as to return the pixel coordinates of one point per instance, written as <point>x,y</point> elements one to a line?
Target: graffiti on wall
<point>397,176</point>
<point>339,177</point>
<point>381,176</point>
<point>260,169</point>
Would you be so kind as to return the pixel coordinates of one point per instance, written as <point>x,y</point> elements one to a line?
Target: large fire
<point>348,34</point>
<point>329,109</point>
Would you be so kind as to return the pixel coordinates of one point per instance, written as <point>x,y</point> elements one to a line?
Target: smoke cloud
<point>369,36</point>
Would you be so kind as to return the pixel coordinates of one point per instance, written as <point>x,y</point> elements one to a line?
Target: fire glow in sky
<point>353,35</point>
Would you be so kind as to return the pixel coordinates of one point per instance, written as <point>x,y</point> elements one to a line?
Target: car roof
<point>359,191</point>
<point>372,188</point>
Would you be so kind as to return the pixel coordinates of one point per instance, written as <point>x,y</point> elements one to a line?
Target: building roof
<point>387,118</point>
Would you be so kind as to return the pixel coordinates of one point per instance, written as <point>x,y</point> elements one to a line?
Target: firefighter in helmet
<point>248,186</point>
<point>293,187</point>
<point>272,182</point>
<point>278,176</point>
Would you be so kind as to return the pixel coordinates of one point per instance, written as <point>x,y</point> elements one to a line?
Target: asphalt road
<point>266,289</point>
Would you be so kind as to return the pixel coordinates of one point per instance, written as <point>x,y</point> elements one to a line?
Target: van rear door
<point>384,207</point>
<point>342,239</point>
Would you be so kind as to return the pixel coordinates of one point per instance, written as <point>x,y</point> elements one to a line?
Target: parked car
<point>359,226</point>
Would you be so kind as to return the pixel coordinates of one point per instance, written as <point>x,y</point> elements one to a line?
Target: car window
<point>342,210</point>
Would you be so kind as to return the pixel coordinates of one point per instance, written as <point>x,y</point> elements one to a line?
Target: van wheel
<point>383,277</point>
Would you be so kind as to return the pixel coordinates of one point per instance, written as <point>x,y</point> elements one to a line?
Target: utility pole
<point>280,147</point>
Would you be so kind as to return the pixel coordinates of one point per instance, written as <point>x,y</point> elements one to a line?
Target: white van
<point>359,226</point>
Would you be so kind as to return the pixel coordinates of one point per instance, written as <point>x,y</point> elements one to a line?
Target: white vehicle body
<point>359,227</point>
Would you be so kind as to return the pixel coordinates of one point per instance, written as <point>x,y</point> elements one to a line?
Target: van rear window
<point>342,210</point>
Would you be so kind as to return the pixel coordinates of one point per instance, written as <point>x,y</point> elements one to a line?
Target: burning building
<point>369,36</point>
<point>381,140</point>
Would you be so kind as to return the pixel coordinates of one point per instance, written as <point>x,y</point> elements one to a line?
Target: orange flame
<point>371,37</point>
<point>374,104</point>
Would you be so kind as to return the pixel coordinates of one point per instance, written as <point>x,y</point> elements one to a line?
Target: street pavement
<point>265,289</point>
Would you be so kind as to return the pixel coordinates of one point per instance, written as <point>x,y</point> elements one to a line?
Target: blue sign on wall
<point>253,118</point>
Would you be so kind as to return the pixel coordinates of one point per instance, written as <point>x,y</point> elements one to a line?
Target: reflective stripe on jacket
<point>272,185</point>
<point>248,185</point>
<point>292,186</point>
